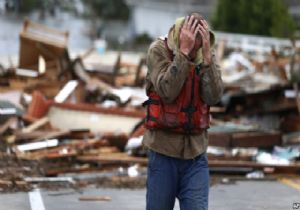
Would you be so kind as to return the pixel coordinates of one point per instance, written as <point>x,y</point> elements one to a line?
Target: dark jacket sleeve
<point>211,88</point>
<point>166,76</point>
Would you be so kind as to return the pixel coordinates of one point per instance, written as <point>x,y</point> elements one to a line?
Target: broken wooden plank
<point>296,88</point>
<point>273,168</point>
<point>101,150</point>
<point>39,135</point>
<point>66,91</point>
<point>37,124</point>
<point>92,83</point>
<point>26,72</point>
<point>5,183</point>
<point>37,145</point>
<point>94,198</point>
<point>7,124</point>
<point>245,139</point>
<point>8,111</point>
<point>113,158</point>
<point>73,148</point>
<point>51,135</point>
<point>219,139</point>
<point>230,157</point>
<point>64,170</point>
<point>256,139</point>
<point>49,179</point>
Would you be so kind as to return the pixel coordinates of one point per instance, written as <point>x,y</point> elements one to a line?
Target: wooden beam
<point>113,158</point>
<point>245,139</point>
<point>7,124</point>
<point>95,198</point>
<point>256,139</point>
<point>219,139</point>
<point>34,126</point>
<point>291,168</point>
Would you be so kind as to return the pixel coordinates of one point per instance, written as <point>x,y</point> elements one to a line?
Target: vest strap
<point>150,101</point>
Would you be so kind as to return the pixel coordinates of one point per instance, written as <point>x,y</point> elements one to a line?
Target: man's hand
<point>188,35</point>
<point>204,31</point>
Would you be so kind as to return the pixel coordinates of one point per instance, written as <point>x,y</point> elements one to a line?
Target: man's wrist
<point>205,65</point>
<point>185,52</point>
<point>207,62</point>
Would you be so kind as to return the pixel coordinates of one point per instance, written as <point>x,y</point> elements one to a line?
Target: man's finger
<point>189,25</point>
<point>204,36</point>
<point>205,39</point>
<point>194,26</point>
<point>185,21</point>
<point>196,30</point>
<point>201,33</point>
<point>205,31</point>
<point>205,24</point>
<point>202,27</point>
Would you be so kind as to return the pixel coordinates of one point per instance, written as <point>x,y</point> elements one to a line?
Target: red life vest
<point>187,114</point>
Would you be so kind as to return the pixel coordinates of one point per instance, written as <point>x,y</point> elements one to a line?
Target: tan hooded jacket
<point>167,78</point>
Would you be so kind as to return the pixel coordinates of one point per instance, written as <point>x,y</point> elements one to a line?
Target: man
<point>183,80</point>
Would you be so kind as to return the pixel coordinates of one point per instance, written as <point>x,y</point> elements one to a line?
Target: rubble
<point>62,114</point>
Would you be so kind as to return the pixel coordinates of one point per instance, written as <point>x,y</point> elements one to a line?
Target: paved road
<point>246,195</point>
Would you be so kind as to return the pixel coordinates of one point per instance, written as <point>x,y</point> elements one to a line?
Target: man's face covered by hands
<point>194,34</point>
<point>197,45</point>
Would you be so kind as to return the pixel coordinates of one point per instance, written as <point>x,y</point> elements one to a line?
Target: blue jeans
<point>170,178</point>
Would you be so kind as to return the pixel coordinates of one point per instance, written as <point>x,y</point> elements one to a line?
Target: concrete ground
<point>252,195</point>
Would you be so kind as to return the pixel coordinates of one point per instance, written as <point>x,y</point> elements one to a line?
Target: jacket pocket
<point>169,115</point>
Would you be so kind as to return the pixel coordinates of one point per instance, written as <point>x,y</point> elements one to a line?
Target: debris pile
<point>75,119</point>
<point>62,114</point>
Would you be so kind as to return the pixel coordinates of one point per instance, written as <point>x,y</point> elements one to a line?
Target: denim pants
<point>170,178</point>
